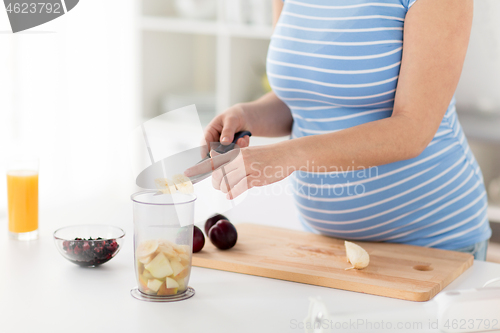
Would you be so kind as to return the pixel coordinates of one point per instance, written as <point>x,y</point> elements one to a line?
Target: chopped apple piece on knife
<point>165,185</point>
<point>183,184</point>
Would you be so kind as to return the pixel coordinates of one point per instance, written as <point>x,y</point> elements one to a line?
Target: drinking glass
<point>163,243</point>
<point>22,193</point>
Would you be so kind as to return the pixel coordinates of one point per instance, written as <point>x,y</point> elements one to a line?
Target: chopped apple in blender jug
<point>163,267</point>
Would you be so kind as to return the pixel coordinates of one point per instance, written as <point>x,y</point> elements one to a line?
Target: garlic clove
<point>356,255</point>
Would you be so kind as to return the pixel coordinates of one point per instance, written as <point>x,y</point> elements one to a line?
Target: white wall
<point>479,87</point>
<point>68,93</point>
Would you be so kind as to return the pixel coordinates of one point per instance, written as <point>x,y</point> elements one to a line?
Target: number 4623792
<point>477,324</point>
<point>32,8</point>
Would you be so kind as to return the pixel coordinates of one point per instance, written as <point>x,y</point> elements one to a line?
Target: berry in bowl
<point>89,245</point>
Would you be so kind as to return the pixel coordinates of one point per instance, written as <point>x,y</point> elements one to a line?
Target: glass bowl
<point>89,245</point>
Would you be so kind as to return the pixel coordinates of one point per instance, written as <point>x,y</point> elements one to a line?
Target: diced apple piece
<point>180,270</point>
<point>140,267</point>
<point>163,291</point>
<point>147,274</point>
<point>143,282</point>
<point>149,292</point>
<point>182,284</point>
<point>154,285</point>
<point>183,273</point>
<point>171,283</point>
<point>177,267</point>
<point>159,267</point>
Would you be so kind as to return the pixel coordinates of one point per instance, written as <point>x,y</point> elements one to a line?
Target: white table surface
<point>42,292</point>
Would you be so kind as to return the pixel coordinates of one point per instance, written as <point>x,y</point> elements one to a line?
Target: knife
<point>178,163</point>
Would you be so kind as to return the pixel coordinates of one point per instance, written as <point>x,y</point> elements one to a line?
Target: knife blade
<point>178,163</point>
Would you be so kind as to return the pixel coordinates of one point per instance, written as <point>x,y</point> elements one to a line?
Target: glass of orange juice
<point>22,193</point>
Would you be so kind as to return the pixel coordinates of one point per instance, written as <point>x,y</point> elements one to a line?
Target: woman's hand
<point>267,116</point>
<point>253,166</point>
<point>223,127</point>
<point>241,169</point>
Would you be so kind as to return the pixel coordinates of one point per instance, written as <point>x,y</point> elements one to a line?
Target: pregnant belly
<point>369,201</point>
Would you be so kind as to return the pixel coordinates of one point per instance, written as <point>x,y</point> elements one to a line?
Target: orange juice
<point>22,187</point>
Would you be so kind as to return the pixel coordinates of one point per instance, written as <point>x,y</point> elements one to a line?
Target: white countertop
<point>42,292</point>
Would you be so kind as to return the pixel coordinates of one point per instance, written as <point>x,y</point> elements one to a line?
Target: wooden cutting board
<point>399,271</point>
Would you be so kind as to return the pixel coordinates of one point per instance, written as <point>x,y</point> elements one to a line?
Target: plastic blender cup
<point>163,243</point>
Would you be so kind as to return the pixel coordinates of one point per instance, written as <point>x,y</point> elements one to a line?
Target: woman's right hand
<point>223,127</point>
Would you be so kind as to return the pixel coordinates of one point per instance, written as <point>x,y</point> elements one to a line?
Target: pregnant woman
<point>365,89</point>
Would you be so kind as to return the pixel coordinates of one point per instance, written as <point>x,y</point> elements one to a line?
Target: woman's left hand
<point>248,167</point>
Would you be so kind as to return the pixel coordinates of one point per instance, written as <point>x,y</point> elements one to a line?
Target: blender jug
<point>163,243</point>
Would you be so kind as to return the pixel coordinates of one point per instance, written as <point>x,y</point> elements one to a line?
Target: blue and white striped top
<point>335,63</point>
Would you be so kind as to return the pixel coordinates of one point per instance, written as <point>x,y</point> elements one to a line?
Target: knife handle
<point>225,148</point>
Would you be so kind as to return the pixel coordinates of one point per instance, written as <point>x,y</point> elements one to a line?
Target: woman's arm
<point>436,36</point>
<point>277,8</point>
<point>268,116</point>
